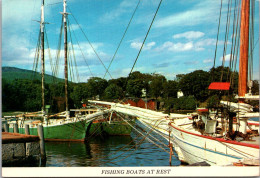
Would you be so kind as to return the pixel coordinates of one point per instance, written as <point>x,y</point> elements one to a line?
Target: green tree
<point>195,83</point>
<point>96,86</point>
<point>156,85</point>
<point>134,87</point>
<point>170,89</point>
<point>113,92</point>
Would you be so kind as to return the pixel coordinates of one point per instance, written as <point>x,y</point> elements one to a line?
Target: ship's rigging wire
<point>74,57</point>
<point>235,46</point>
<point>143,43</point>
<point>82,53</point>
<point>58,49</point>
<point>49,52</point>
<point>90,43</point>
<point>226,37</point>
<point>251,38</point>
<point>122,38</point>
<point>145,37</point>
<point>216,47</point>
<point>37,54</point>
<point>234,36</point>
<point>145,136</point>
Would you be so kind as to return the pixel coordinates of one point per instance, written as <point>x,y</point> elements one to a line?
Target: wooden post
<point>6,127</point>
<point>27,130</point>
<point>42,144</point>
<point>16,128</point>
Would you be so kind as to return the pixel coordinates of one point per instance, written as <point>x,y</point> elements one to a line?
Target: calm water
<point>112,151</point>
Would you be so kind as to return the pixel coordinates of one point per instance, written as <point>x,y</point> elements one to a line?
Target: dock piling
<point>6,127</point>
<point>27,130</point>
<point>42,144</point>
<point>16,128</point>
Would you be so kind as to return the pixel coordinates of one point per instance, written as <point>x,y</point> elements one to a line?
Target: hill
<point>11,73</point>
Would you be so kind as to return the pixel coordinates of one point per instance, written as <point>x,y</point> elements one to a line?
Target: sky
<point>182,38</point>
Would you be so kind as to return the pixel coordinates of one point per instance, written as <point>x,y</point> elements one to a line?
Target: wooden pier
<point>19,149</point>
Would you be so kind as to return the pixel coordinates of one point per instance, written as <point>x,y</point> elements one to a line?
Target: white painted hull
<point>196,148</point>
<point>190,145</point>
<point>193,147</point>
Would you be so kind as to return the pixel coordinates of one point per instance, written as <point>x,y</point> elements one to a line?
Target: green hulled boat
<point>75,128</point>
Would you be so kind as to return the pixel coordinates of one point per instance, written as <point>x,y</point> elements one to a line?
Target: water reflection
<point>110,151</point>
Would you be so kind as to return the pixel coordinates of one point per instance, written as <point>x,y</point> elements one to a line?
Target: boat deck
<point>255,141</point>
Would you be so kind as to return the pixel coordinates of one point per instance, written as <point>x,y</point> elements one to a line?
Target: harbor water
<point>111,151</point>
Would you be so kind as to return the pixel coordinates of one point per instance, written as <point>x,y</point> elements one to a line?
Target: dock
<point>19,149</point>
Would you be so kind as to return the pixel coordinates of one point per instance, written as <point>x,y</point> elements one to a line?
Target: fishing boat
<point>72,124</point>
<point>220,136</point>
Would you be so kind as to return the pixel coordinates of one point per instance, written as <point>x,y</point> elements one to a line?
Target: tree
<point>121,82</point>
<point>113,92</point>
<point>96,86</point>
<point>134,87</point>
<point>156,85</point>
<point>195,83</point>
<point>79,93</point>
<point>170,89</point>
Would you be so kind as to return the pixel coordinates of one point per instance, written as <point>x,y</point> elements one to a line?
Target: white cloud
<point>179,47</point>
<point>226,57</point>
<point>74,27</point>
<point>122,8</point>
<point>198,14</point>
<point>189,35</point>
<point>207,61</point>
<point>137,45</point>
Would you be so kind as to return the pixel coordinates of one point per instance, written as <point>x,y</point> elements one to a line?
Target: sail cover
<point>219,86</point>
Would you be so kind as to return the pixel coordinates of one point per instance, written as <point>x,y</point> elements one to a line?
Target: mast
<point>42,55</point>
<point>65,56</point>
<point>244,41</point>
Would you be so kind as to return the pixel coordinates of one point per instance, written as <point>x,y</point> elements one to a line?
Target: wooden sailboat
<point>63,126</point>
<point>197,137</point>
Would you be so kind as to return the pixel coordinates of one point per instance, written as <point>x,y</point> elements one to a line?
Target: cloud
<point>189,35</point>
<point>226,57</point>
<point>161,65</point>
<point>205,61</point>
<point>74,27</point>
<point>198,14</point>
<point>191,62</point>
<point>179,47</point>
<point>137,45</point>
<point>124,7</point>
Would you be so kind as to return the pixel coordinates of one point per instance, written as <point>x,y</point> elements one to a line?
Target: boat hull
<point>76,131</point>
<point>215,151</point>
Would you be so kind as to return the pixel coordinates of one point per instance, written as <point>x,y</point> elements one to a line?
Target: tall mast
<point>42,54</point>
<point>244,41</point>
<point>65,56</point>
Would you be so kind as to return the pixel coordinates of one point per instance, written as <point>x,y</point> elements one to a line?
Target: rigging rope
<point>37,54</point>
<point>90,44</point>
<point>232,43</point>
<point>49,52</point>
<point>226,37</point>
<point>58,50</point>
<point>145,37</point>
<point>251,37</point>
<point>235,46</point>
<point>220,12</point>
<point>122,38</point>
<point>143,42</point>
<point>82,53</point>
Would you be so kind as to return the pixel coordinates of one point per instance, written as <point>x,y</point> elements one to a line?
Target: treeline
<point>25,95</point>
